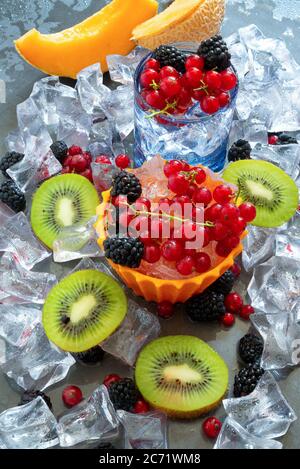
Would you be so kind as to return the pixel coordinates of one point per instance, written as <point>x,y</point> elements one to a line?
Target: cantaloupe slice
<point>107,32</point>
<point>182,21</point>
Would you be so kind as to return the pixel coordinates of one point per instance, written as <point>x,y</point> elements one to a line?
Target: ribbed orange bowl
<point>156,289</point>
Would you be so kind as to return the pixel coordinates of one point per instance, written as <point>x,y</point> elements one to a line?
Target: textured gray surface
<point>16,17</point>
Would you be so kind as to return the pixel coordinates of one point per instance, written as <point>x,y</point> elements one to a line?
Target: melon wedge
<point>107,32</point>
<point>182,21</point>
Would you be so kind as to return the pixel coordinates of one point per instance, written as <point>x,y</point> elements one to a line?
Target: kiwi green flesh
<point>83,310</point>
<point>181,374</point>
<point>60,202</point>
<point>269,188</point>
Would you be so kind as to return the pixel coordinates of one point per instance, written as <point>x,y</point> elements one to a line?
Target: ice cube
<point>288,246</point>
<point>287,157</point>
<point>259,245</point>
<point>30,426</point>
<point>102,176</point>
<point>122,68</point>
<point>5,213</point>
<point>144,431</point>
<point>138,328</point>
<point>92,419</point>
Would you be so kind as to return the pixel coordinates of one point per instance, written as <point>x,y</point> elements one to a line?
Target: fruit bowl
<point>156,289</point>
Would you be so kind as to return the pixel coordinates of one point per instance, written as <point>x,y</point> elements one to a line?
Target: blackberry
<point>126,184</point>
<point>246,380</point>
<point>224,284</point>
<point>124,251</point>
<point>60,150</point>
<point>92,356</point>
<point>250,348</point>
<point>123,394</point>
<point>240,150</point>
<point>170,55</point>
<point>215,53</point>
<point>208,306</point>
<point>29,396</point>
<point>285,139</point>
<point>9,159</point>
<point>12,196</point>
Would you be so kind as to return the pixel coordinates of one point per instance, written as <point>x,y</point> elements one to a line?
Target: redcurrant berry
<point>186,265</point>
<point>229,80</point>
<point>149,77</point>
<point>213,80</point>
<point>210,104</point>
<point>155,99</point>
<point>194,61</point>
<point>122,161</point>
<point>151,253</point>
<point>141,407</point>
<point>168,71</point>
<point>202,196</point>
<point>72,395</point>
<point>202,262</point>
<point>172,250</point>
<point>165,309</point>
<point>222,194</point>
<point>178,184</point>
<point>247,211</point>
<point>228,319</point>
<point>194,77</point>
<point>246,312</point>
<point>233,302</point>
<point>153,64</point>
<point>170,87</point>
<point>212,427</point>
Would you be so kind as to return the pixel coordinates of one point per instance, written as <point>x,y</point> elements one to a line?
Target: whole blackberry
<point>285,139</point>
<point>124,251</point>
<point>126,184</point>
<point>92,356</point>
<point>240,150</point>
<point>123,394</point>
<point>29,396</point>
<point>250,348</point>
<point>208,306</point>
<point>224,284</point>
<point>9,159</point>
<point>170,55</point>
<point>12,196</point>
<point>215,53</point>
<point>246,380</point>
<point>60,150</point>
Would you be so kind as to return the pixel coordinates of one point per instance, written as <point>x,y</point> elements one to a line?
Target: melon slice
<point>107,32</point>
<point>182,21</point>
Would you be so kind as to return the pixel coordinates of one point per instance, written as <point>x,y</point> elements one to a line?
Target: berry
<point>172,250</point>
<point>229,214</point>
<point>12,196</point>
<point>222,194</point>
<point>210,104</point>
<point>211,427</point>
<point>71,396</point>
<point>92,356</point>
<point>87,156</point>
<point>202,196</point>
<point>202,262</point>
<point>198,95</point>
<point>9,159</point>
<point>155,99</point>
<point>173,167</point>
<point>219,231</point>
<point>153,64</point>
<point>103,159</point>
<point>191,191</point>
<point>170,55</point>
<point>59,150</point>
<point>246,380</point>
<point>194,61</point>
<point>122,161</point>
<point>236,270</point>
<point>186,265</point>
<point>213,212</point>
<point>200,175</point>
<point>124,251</point>
<point>168,71</point>
<point>165,309</point>
<point>250,348</point>
<point>240,150</point>
<point>123,394</point>
<point>224,99</point>
<point>178,184</point>
<point>222,250</point>
<point>224,284</point>
<point>184,99</point>
<point>149,77</point>
<point>151,253</point>
<point>181,200</point>
<point>126,184</point>
<point>273,139</point>
<point>247,211</point>
<point>109,379</point>
<point>28,396</point>
<point>87,173</point>
<point>239,226</point>
<point>142,204</point>
<point>228,319</point>
<point>232,242</point>
<point>233,302</point>
<point>246,312</point>
<point>170,87</point>
<point>74,150</point>
<point>213,80</point>
<point>78,163</point>
<point>141,407</point>
<point>193,77</point>
<point>215,53</point>
<point>229,80</point>
<point>208,306</point>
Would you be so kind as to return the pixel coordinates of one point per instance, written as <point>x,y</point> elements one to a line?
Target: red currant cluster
<point>79,162</point>
<point>170,92</point>
<point>234,305</point>
<point>121,161</point>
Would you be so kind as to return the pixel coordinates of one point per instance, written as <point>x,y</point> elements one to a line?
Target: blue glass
<point>196,137</point>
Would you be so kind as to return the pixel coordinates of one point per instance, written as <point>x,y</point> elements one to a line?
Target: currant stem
<point>163,111</point>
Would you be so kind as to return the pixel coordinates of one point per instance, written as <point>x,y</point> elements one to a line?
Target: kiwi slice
<point>181,375</point>
<point>83,310</point>
<point>60,202</point>
<point>271,190</point>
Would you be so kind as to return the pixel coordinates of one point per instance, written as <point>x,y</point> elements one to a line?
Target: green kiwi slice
<point>60,202</point>
<point>83,309</point>
<point>181,375</point>
<point>269,188</point>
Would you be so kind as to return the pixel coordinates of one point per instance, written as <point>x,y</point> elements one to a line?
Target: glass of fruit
<point>185,99</point>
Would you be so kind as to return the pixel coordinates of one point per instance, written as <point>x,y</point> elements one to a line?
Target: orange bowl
<point>156,289</point>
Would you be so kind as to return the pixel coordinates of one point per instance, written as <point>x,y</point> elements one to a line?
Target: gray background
<point>276,18</point>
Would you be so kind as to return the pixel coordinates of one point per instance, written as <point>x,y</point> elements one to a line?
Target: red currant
<point>170,87</point>
<point>233,302</point>
<point>184,99</point>
<point>151,253</point>
<point>141,407</point>
<point>173,167</point>
<point>236,270</point>
<point>239,226</point>
<point>168,71</point>
<point>213,212</point>
<point>229,214</point>
<point>109,379</point>
<point>228,319</point>
<point>194,76</point>
<point>202,196</point>
<point>87,156</point>
<point>232,242</point>
<point>74,150</point>
<point>181,200</point>
<point>71,396</point>
<point>202,262</point>
<point>122,161</point>
<point>246,312</point>
<point>78,163</point>
<point>153,64</point>
<point>194,61</point>
<point>191,191</point>
<point>213,80</point>
<point>210,104</point>
<point>149,77</point>
<point>165,309</point>
<point>219,231</point>
<point>229,80</point>
<point>212,427</point>
<point>222,194</point>
<point>222,250</point>
<point>198,95</point>
<point>224,99</point>
<point>142,205</point>
<point>273,139</point>
<point>172,250</point>
<point>155,99</point>
<point>87,173</point>
<point>103,159</point>
<point>178,184</point>
<point>200,175</point>
<point>247,211</point>
<point>186,265</point>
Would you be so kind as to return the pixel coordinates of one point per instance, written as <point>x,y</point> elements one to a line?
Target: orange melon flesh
<point>107,32</point>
